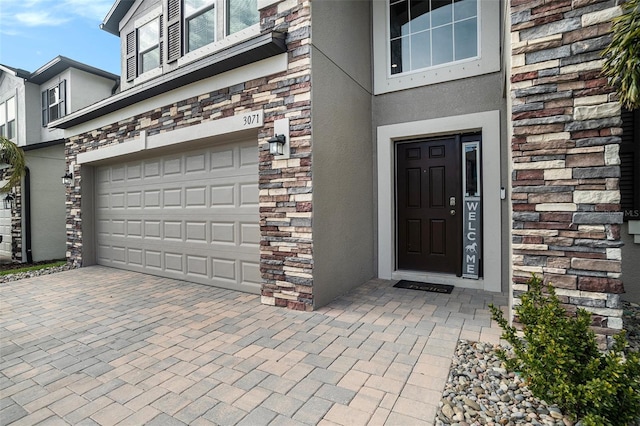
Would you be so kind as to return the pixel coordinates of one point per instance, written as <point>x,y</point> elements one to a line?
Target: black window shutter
<point>62,106</point>
<point>630,164</point>
<point>131,56</point>
<point>45,108</point>
<point>174,30</point>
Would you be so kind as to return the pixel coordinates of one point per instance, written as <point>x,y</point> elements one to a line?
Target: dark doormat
<point>434,288</point>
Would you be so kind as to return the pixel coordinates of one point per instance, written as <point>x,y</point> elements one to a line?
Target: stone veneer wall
<point>16,218</point>
<point>285,186</point>
<point>566,131</point>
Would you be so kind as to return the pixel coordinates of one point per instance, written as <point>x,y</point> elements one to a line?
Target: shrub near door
<point>559,358</point>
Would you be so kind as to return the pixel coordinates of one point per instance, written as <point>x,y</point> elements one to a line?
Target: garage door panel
<point>171,166</point>
<point>190,216</point>
<point>118,174</point>
<point>151,169</point>
<point>249,233</point>
<point>151,198</point>
<point>135,256</point>
<point>248,194</point>
<point>134,228</point>
<point>248,156</point>
<point>116,200</point>
<point>196,197</point>
<point>197,266</point>
<point>134,199</point>
<point>196,163</point>
<point>250,273</point>
<point>134,172</point>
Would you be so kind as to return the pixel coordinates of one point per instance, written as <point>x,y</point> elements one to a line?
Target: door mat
<point>434,288</point>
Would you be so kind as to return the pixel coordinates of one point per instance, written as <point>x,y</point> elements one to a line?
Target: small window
<point>53,103</point>
<point>10,129</point>
<point>3,119</point>
<point>241,14</point>
<point>429,33</point>
<point>149,46</point>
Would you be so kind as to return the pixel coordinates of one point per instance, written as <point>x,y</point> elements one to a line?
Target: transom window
<point>428,33</point>
<point>149,46</point>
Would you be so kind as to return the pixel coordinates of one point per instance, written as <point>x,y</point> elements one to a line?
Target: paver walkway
<point>102,346</point>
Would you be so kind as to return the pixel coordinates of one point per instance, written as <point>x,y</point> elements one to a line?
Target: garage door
<point>191,216</point>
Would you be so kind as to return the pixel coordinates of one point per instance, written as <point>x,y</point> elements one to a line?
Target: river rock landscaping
<point>480,391</point>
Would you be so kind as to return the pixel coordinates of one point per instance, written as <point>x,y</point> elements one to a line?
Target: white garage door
<point>191,216</point>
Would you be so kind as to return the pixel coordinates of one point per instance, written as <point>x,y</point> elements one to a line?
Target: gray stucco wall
<point>343,217</point>
<point>457,97</point>
<point>33,113</point>
<point>48,211</point>
<point>630,266</point>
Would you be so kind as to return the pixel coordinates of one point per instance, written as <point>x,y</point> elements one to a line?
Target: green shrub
<point>558,356</point>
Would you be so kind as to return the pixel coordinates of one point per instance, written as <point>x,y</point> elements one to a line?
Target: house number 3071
<point>251,119</point>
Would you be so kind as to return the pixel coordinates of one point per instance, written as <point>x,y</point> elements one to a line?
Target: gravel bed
<point>21,275</point>
<point>480,391</point>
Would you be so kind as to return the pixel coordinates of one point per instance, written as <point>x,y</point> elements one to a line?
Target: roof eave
<point>111,22</point>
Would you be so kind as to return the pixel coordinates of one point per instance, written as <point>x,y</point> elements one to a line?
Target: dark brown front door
<point>428,209</point>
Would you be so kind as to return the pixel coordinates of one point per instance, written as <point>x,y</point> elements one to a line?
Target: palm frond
<point>622,56</point>
<point>12,155</point>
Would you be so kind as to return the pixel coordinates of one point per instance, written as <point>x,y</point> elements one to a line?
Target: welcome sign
<point>471,238</point>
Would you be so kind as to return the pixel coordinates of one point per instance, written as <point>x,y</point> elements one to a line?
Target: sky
<point>33,32</point>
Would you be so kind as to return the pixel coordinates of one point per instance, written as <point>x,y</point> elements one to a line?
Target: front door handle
<point>452,201</point>
<point>452,212</point>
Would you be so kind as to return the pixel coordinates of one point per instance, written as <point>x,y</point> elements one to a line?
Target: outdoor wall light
<point>67,179</point>
<point>276,144</point>
<point>9,200</point>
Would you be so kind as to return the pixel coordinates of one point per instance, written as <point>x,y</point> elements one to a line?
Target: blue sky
<point>33,32</point>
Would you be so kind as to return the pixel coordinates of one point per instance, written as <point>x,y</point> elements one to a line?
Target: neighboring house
<point>34,228</point>
<point>414,149</point>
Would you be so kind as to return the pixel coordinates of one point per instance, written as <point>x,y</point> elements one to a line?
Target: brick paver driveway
<point>103,346</point>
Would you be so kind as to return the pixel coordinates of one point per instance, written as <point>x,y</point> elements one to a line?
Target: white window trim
<point>487,62</point>
<point>489,124</point>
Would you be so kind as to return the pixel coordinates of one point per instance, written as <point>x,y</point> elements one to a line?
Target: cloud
<point>17,14</point>
<point>37,19</point>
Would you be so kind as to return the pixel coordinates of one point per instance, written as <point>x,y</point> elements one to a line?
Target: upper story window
<point>8,118</point>
<point>427,33</point>
<point>190,25</point>
<point>200,23</point>
<point>53,103</point>
<point>422,42</point>
<point>144,47</point>
<point>149,46</point>
<point>241,14</point>
<point>194,24</point>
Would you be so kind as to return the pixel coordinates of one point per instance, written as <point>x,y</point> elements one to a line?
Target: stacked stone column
<point>566,134</point>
